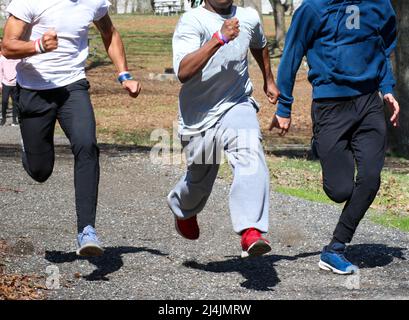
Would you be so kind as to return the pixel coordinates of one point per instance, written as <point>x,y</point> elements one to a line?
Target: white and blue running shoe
<point>88,243</point>
<point>333,259</point>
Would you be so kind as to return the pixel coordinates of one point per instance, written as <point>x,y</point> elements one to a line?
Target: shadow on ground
<point>374,255</point>
<point>259,271</point>
<point>260,274</point>
<point>108,263</point>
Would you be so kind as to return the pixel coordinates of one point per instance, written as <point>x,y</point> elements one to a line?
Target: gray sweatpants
<point>238,134</point>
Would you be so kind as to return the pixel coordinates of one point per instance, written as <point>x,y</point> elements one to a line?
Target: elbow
<point>7,54</point>
<point>183,77</point>
<point>6,50</point>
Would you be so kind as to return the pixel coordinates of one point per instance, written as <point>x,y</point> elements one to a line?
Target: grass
<point>304,194</point>
<point>303,179</point>
<point>392,221</point>
<point>147,39</point>
<point>117,136</point>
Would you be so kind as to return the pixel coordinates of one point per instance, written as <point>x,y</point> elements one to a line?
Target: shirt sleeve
<point>258,39</point>
<point>389,35</point>
<point>304,26</point>
<point>186,39</point>
<point>102,10</point>
<point>23,10</point>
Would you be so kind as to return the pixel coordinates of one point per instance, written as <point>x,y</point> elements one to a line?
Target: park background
<point>147,27</point>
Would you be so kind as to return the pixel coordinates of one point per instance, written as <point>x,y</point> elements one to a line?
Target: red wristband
<point>220,40</point>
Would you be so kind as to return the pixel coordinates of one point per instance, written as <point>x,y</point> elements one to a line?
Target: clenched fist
<point>231,29</point>
<point>133,87</point>
<point>283,124</point>
<point>49,41</point>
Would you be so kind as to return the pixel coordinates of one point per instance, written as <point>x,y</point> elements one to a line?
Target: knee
<point>39,173</point>
<point>339,193</point>
<point>371,181</point>
<point>40,169</point>
<point>86,149</point>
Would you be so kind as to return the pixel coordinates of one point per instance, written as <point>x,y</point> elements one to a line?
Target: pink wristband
<point>221,35</point>
<point>39,46</point>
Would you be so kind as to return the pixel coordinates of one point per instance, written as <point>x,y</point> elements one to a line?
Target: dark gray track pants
<point>71,106</point>
<point>350,133</point>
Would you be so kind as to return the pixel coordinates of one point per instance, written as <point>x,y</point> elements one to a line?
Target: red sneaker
<point>253,244</point>
<point>187,228</point>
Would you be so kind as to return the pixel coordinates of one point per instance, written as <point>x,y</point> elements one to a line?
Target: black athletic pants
<point>7,92</point>
<point>71,106</point>
<point>350,133</point>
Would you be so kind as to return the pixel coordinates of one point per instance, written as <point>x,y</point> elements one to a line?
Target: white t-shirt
<point>70,19</point>
<point>224,81</point>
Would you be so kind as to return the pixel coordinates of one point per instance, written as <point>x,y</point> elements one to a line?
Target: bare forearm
<point>18,49</point>
<point>262,57</point>
<point>196,61</point>
<point>116,51</point>
<point>14,46</point>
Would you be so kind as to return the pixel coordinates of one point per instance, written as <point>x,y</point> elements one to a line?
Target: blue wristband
<point>124,76</point>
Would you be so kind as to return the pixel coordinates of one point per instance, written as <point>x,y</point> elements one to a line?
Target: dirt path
<point>146,259</point>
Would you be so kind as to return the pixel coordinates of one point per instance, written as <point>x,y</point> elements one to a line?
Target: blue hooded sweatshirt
<point>348,44</point>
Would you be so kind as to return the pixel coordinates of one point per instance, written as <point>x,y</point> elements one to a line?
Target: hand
<point>50,40</point>
<point>281,123</point>
<point>394,107</point>
<point>271,91</point>
<point>133,87</point>
<point>231,29</point>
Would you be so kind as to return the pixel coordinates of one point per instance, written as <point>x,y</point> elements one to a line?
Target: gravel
<point>146,259</point>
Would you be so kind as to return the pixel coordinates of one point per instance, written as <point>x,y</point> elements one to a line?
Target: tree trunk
<point>256,4</point>
<point>279,21</point>
<point>240,3</point>
<point>399,138</point>
<point>144,6</point>
<point>114,6</point>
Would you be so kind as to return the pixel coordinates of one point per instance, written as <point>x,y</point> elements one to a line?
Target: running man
<point>348,46</point>
<point>52,39</point>
<point>217,112</point>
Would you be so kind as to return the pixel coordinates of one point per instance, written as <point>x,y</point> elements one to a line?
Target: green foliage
<point>303,179</point>
<point>392,221</point>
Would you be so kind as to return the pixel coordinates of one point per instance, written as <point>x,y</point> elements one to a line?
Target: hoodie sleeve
<point>388,33</point>
<point>303,27</point>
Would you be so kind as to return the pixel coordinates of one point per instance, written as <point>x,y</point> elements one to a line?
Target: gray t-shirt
<point>224,81</point>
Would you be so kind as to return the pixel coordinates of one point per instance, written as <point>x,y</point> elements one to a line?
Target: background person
<point>8,84</point>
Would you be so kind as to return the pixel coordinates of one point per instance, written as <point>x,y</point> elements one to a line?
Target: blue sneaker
<point>88,243</point>
<point>333,259</point>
